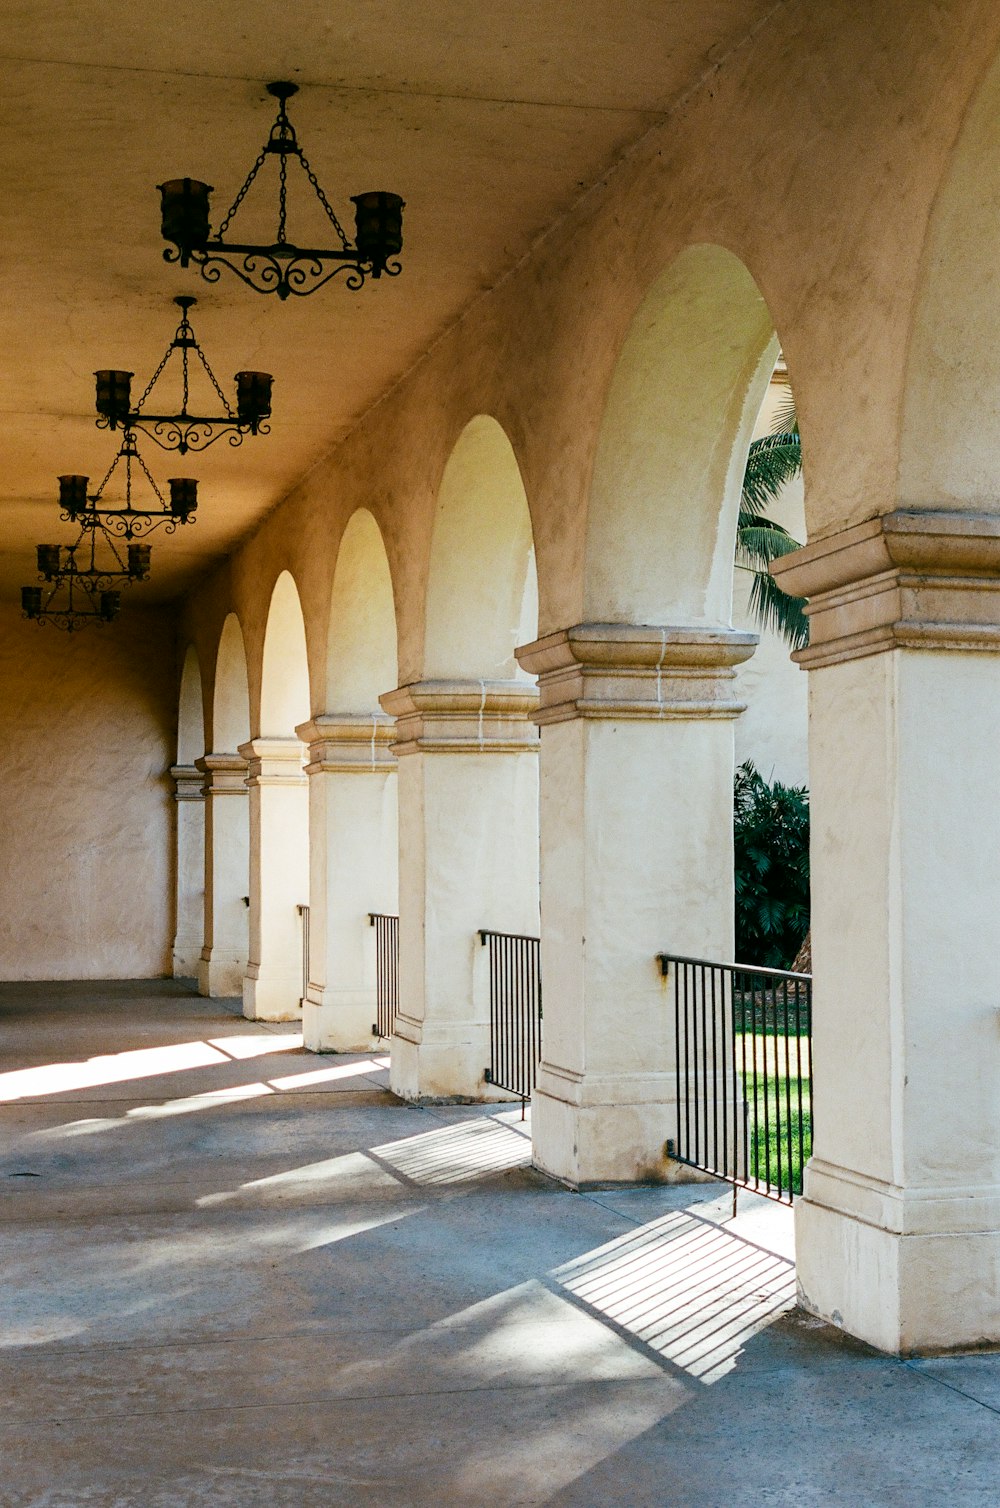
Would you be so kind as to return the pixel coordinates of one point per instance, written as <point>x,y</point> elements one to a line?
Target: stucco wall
<point>86,815</point>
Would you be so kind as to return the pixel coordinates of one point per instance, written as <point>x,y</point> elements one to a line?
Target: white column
<point>223,959</point>
<point>279,877</point>
<point>468,858</point>
<point>352,871</point>
<point>190,870</point>
<point>636,858</point>
<point>898,1234</point>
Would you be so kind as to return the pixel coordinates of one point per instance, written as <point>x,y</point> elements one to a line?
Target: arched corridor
<point>449,645</point>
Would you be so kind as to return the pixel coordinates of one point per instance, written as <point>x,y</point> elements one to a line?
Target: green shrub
<point>771,829</point>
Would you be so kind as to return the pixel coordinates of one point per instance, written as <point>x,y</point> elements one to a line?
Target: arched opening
<point>189,871</point>
<point>361,660</point>
<point>352,798</point>
<point>482,593</point>
<point>231,695</point>
<point>279,817</point>
<point>681,408</point>
<point>637,710</point>
<point>227,832</point>
<point>468,773</point>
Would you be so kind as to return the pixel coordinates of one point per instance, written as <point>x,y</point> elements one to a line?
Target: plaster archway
<point>189,867</point>
<point>637,708</point>
<point>352,797</point>
<point>275,981</point>
<point>468,769</point>
<point>227,833</point>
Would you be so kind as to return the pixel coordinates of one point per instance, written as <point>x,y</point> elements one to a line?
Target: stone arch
<point>284,690</point>
<point>482,593</point>
<point>950,431</point>
<point>231,694</point>
<point>682,402</point>
<point>361,643</point>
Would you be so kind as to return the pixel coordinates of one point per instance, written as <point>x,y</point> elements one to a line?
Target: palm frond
<point>772,462</point>
<point>759,541</point>
<point>786,420</point>
<point>778,610</point>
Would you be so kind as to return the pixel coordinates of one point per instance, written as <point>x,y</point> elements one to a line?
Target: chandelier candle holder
<point>183,430</point>
<point>281,267</point>
<point>129,521</point>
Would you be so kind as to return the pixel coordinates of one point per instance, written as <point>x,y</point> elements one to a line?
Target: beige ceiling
<point>489,120</point>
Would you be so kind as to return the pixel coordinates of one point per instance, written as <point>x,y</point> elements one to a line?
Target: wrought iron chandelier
<point>81,594</point>
<point>128,521</point>
<point>281,267</point>
<point>183,430</point>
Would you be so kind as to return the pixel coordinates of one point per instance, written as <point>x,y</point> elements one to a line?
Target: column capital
<point>912,579</point>
<point>223,774</point>
<point>463,717</point>
<point>273,761</point>
<point>349,743</point>
<point>188,782</point>
<point>633,671</point>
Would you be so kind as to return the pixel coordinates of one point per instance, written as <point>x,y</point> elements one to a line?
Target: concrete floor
<point>238,1274</point>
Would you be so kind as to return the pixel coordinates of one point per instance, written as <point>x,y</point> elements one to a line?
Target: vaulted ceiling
<point>490,120</point>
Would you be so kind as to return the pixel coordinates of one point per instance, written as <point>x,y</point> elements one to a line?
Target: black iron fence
<point>515,1011</point>
<point>743,1041</point>
<point>386,972</point>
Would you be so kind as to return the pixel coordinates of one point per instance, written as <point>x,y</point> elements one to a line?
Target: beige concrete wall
<point>86,813</point>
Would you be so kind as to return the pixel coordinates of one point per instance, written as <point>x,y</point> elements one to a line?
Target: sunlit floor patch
<point>456,1154</point>
<point>690,1290</point>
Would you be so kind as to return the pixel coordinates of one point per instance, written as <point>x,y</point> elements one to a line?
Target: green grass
<point>780,1057</point>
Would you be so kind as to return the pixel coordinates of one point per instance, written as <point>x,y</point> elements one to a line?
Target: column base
<point>910,1284</point>
<point>442,1071</point>
<point>221,978</point>
<point>607,1128</point>
<point>273,996</point>
<point>186,956</point>
<point>339,1021</point>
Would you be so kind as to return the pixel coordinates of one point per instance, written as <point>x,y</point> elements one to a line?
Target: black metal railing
<point>515,1011</point>
<point>743,1039</point>
<point>304,914</point>
<point>386,972</point>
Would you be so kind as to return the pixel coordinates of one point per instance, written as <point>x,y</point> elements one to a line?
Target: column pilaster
<point>279,877</point>
<point>223,958</point>
<point>468,858</point>
<point>353,871</point>
<point>898,1233</point>
<point>636,858</point>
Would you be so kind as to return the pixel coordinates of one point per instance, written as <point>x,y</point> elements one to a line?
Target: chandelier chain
<point>242,194</point>
<point>152,383</point>
<point>331,216</point>
<point>283,201</point>
<point>215,383</point>
<point>149,479</point>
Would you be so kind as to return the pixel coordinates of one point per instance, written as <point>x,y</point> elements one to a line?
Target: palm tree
<point>773,461</point>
